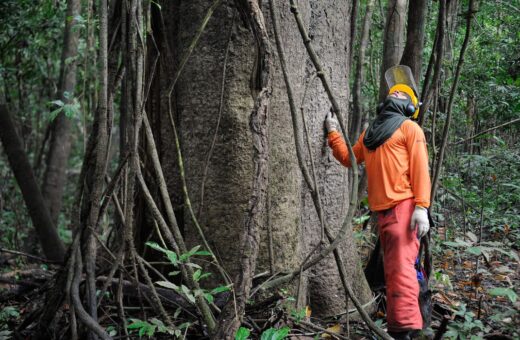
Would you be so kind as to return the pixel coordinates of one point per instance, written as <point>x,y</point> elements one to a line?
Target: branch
<point>174,239</point>
<point>193,43</point>
<point>516,120</point>
<point>37,258</point>
<point>87,320</point>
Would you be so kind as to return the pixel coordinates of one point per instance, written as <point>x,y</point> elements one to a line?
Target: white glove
<point>420,219</point>
<point>331,123</point>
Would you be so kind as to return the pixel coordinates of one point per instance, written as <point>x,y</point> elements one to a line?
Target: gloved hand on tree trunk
<point>331,123</point>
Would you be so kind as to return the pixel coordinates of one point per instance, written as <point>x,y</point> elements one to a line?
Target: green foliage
<point>71,108</point>
<point>111,330</point>
<point>489,182</point>
<point>242,333</point>
<point>12,220</point>
<point>466,326</point>
<point>275,334</point>
<point>184,259</point>
<point>442,280</point>
<point>485,248</point>
<point>299,315</point>
<point>508,321</point>
<point>145,328</point>
<point>504,292</point>
<point>7,314</point>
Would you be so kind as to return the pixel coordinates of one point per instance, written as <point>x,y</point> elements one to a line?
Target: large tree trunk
<point>326,23</point>
<point>59,148</point>
<point>220,160</point>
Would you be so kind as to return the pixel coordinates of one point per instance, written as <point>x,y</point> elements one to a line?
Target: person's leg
<point>400,247</point>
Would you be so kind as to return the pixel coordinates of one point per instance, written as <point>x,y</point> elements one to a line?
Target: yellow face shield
<point>400,78</point>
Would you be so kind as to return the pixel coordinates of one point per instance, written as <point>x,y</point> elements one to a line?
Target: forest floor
<point>474,289</point>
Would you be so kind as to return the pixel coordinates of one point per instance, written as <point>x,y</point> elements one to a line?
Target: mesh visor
<point>400,74</point>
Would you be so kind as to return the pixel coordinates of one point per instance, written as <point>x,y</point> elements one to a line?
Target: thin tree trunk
<point>51,244</point>
<point>95,182</point>
<point>444,143</point>
<point>393,43</point>
<point>353,29</point>
<point>60,145</point>
<point>429,88</point>
<point>357,114</point>
<point>413,50</point>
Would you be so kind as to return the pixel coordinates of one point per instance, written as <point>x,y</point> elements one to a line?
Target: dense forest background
<point>164,170</point>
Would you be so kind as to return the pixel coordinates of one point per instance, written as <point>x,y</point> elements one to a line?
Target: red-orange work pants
<point>400,247</point>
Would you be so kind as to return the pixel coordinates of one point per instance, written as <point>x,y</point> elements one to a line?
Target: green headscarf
<point>390,118</point>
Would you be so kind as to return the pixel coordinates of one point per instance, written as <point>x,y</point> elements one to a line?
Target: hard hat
<point>400,78</point>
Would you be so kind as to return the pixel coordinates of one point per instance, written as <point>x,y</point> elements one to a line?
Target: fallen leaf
<point>472,236</point>
<point>333,329</point>
<point>468,264</point>
<point>504,269</point>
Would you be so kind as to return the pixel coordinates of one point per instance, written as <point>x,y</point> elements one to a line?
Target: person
<point>394,150</point>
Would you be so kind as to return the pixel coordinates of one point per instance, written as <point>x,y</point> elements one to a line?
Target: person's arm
<point>340,150</point>
<point>418,155</point>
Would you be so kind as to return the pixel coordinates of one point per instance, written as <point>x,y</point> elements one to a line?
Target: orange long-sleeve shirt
<point>396,170</point>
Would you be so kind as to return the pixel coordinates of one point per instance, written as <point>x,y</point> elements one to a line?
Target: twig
<point>516,120</point>
<point>457,196</point>
<point>219,116</point>
<point>174,240</point>
<point>320,329</point>
<point>34,257</point>
<point>157,305</point>
<point>442,328</point>
<point>187,201</point>
<point>193,43</point>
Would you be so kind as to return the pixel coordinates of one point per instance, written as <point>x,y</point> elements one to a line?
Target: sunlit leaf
<point>168,284</point>
<point>242,333</point>
<point>504,292</point>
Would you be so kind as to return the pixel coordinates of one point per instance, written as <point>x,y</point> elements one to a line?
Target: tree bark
<point>60,144</point>
<point>413,50</point>
<point>232,314</point>
<point>202,103</point>
<point>51,244</point>
<point>393,41</point>
<point>429,88</point>
<point>357,111</point>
